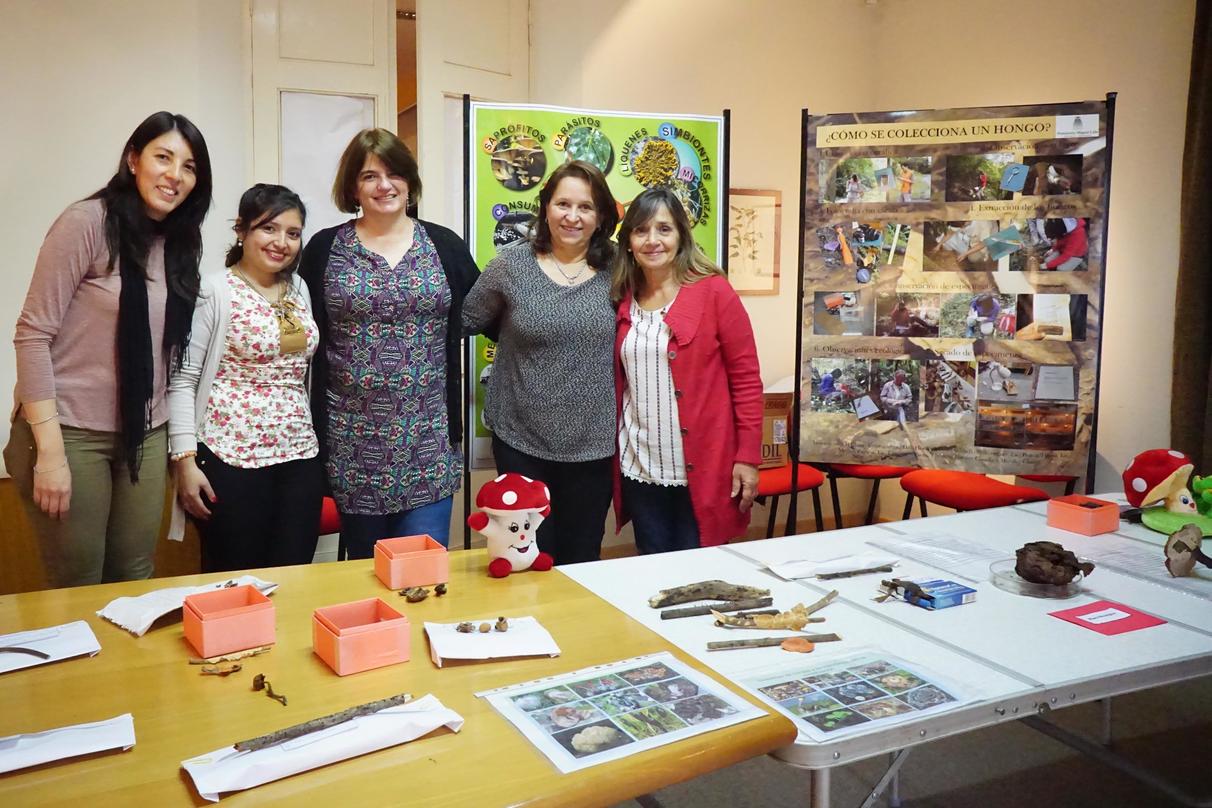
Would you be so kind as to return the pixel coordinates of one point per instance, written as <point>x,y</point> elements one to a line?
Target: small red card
<point>1107,617</point>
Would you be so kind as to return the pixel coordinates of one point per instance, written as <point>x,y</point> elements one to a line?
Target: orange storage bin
<point>411,561</point>
<point>228,620</point>
<point>1081,514</point>
<point>359,636</point>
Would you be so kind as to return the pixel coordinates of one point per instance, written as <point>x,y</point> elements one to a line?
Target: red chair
<point>859,471</point>
<point>776,482</point>
<point>963,491</point>
<point>330,518</point>
<point>1070,482</point>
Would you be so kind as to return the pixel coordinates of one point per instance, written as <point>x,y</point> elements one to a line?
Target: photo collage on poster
<point>597,715</point>
<point>949,283</point>
<point>853,694</point>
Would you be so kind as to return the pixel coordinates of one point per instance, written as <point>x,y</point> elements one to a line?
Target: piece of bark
<point>830,576</point>
<point>264,649</point>
<point>767,642</point>
<point>222,669</point>
<point>324,722</point>
<point>823,602</point>
<point>735,606</point>
<point>705,590</point>
<point>795,619</point>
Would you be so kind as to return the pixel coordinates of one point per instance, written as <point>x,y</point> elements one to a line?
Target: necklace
<point>571,279</point>
<point>292,337</point>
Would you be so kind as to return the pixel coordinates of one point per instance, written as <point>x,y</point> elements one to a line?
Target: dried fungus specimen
<point>465,627</point>
<point>415,594</point>
<point>1046,562</point>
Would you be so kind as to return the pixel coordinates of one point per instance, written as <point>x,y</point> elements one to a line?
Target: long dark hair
<point>690,263</point>
<point>263,203</point>
<point>129,234</point>
<point>601,248</point>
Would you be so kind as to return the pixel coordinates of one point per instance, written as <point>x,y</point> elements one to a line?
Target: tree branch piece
<point>767,642</point>
<point>705,590</point>
<point>264,649</point>
<point>324,722</point>
<point>695,611</point>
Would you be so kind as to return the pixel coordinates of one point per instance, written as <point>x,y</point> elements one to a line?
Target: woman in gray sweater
<point>551,394</point>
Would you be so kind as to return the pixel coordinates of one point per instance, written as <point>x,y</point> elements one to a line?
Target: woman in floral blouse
<point>387,291</point>
<point>243,448</point>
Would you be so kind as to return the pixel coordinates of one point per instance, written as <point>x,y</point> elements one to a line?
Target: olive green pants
<point>109,533</point>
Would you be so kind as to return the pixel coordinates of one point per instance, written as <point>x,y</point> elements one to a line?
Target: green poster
<point>515,148</point>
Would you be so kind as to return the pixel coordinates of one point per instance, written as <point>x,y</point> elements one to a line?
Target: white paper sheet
<point>136,615</point>
<point>34,748</point>
<point>61,642</point>
<point>607,712</point>
<point>805,568</point>
<point>228,770</point>
<point>856,693</point>
<point>951,554</point>
<point>525,637</point>
<point>1055,382</point>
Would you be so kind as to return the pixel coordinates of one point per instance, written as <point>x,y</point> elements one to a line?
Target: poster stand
<point>1044,136</point>
<point>693,149</point>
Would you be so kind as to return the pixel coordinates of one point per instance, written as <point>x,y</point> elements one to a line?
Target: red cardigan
<point>718,388</point>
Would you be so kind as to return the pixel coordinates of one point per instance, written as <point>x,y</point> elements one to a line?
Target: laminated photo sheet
<point>852,694</point>
<point>607,712</point>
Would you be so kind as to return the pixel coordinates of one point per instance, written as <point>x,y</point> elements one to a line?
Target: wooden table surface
<point>179,714</point>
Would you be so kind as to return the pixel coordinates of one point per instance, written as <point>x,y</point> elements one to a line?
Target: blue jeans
<point>661,516</point>
<point>359,533</point>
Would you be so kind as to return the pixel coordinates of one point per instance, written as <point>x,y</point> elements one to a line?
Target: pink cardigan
<point>718,388</point>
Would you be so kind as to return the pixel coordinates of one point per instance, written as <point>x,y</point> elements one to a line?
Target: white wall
<point>766,59</point>
<point>76,77</point>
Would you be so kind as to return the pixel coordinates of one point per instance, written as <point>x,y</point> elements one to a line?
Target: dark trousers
<point>580,498</point>
<point>264,517</point>
<point>661,516</point>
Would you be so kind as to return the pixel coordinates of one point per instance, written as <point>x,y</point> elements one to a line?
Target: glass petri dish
<point>1003,576</point>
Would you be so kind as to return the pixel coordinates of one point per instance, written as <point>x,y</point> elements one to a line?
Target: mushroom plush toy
<point>511,509</point>
<point>1160,476</point>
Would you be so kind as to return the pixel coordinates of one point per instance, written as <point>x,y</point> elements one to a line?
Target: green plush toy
<point>1202,486</point>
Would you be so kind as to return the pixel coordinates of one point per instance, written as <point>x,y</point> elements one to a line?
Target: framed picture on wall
<point>754,219</point>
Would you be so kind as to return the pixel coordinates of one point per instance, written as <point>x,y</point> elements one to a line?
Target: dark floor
<point>1167,730</point>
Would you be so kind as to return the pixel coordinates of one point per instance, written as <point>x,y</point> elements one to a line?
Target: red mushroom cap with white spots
<point>1153,474</point>
<point>514,492</point>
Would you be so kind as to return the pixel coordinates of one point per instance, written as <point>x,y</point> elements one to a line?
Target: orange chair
<point>963,491</point>
<point>860,471</point>
<point>776,482</point>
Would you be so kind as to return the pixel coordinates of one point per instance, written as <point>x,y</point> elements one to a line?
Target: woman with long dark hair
<point>549,394</point>
<point>107,316</point>
<point>688,386</point>
<point>244,452</point>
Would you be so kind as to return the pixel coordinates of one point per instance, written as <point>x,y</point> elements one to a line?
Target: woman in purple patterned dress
<point>387,292</point>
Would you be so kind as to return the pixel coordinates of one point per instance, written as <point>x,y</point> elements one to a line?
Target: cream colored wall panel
<point>485,45</point>
<point>327,31</point>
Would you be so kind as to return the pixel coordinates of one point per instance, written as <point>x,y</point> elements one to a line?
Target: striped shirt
<point>650,435</point>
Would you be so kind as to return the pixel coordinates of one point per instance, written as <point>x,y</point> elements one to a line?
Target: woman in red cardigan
<point>687,386</point>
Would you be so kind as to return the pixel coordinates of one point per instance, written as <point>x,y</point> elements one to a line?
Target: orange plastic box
<point>227,620</point>
<point>359,636</point>
<point>411,561</point>
<point>1082,514</point>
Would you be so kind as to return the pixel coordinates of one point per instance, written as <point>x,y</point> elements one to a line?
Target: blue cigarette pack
<point>944,593</point>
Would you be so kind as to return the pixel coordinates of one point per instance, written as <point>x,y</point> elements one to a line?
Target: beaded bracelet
<point>182,455</point>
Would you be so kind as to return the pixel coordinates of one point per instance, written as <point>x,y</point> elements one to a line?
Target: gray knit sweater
<point>551,392</point>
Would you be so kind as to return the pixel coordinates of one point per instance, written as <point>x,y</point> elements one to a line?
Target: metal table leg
<point>818,788</point>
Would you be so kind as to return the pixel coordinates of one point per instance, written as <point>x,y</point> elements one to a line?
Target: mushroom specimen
<point>1046,562</point>
<point>1183,551</point>
<point>1160,476</point>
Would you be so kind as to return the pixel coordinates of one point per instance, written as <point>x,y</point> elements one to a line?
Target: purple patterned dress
<point>388,435</point>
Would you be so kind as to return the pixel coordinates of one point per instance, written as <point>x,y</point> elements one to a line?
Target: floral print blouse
<point>258,414</point>
<point>388,435</point>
